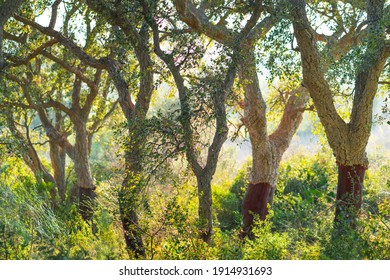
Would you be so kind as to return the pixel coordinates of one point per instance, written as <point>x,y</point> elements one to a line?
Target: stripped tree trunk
<point>347,140</point>
<point>267,150</point>
<point>349,191</point>
<point>256,200</point>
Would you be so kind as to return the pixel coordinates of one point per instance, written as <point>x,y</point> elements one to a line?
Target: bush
<point>266,245</point>
<point>300,225</point>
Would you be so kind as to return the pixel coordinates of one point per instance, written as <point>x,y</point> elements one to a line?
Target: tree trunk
<point>347,140</point>
<point>30,157</point>
<point>267,150</point>
<point>57,157</point>
<point>255,203</point>
<point>84,180</point>
<point>349,192</point>
<point>129,196</point>
<point>260,192</point>
<point>129,219</point>
<point>7,9</point>
<point>205,209</point>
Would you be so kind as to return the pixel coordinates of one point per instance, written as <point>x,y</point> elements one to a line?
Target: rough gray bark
<point>347,140</point>
<point>84,180</point>
<point>205,208</point>
<point>58,163</point>
<point>58,156</point>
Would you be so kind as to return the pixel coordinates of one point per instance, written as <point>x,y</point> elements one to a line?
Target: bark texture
<point>30,155</point>
<point>78,115</point>
<point>349,191</point>
<point>139,40</point>
<point>267,150</point>
<point>205,210</point>
<point>84,179</point>
<point>58,163</point>
<point>255,203</point>
<point>129,220</point>
<point>130,195</point>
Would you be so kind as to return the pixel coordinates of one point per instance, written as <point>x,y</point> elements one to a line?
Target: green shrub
<point>266,245</point>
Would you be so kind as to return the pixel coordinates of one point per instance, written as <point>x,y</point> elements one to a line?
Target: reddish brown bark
<point>255,203</point>
<point>349,189</point>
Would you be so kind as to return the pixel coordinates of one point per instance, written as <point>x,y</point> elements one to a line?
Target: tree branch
<point>291,119</point>
<point>370,69</point>
<point>311,66</point>
<point>196,19</point>
<point>94,91</point>
<point>34,54</point>
<point>185,118</point>
<point>96,126</point>
<point>22,38</point>
<point>54,9</point>
<point>139,41</point>
<point>79,74</point>
<point>76,50</point>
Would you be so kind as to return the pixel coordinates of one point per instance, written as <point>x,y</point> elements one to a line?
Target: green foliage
<point>183,242</point>
<point>305,179</point>
<point>82,240</point>
<point>227,200</point>
<point>267,244</point>
<point>25,219</point>
<point>30,229</point>
<point>305,211</point>
<point>300,225</point>
<point>191,248</point>
<point>276,54</point>
<point>228,208</point>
